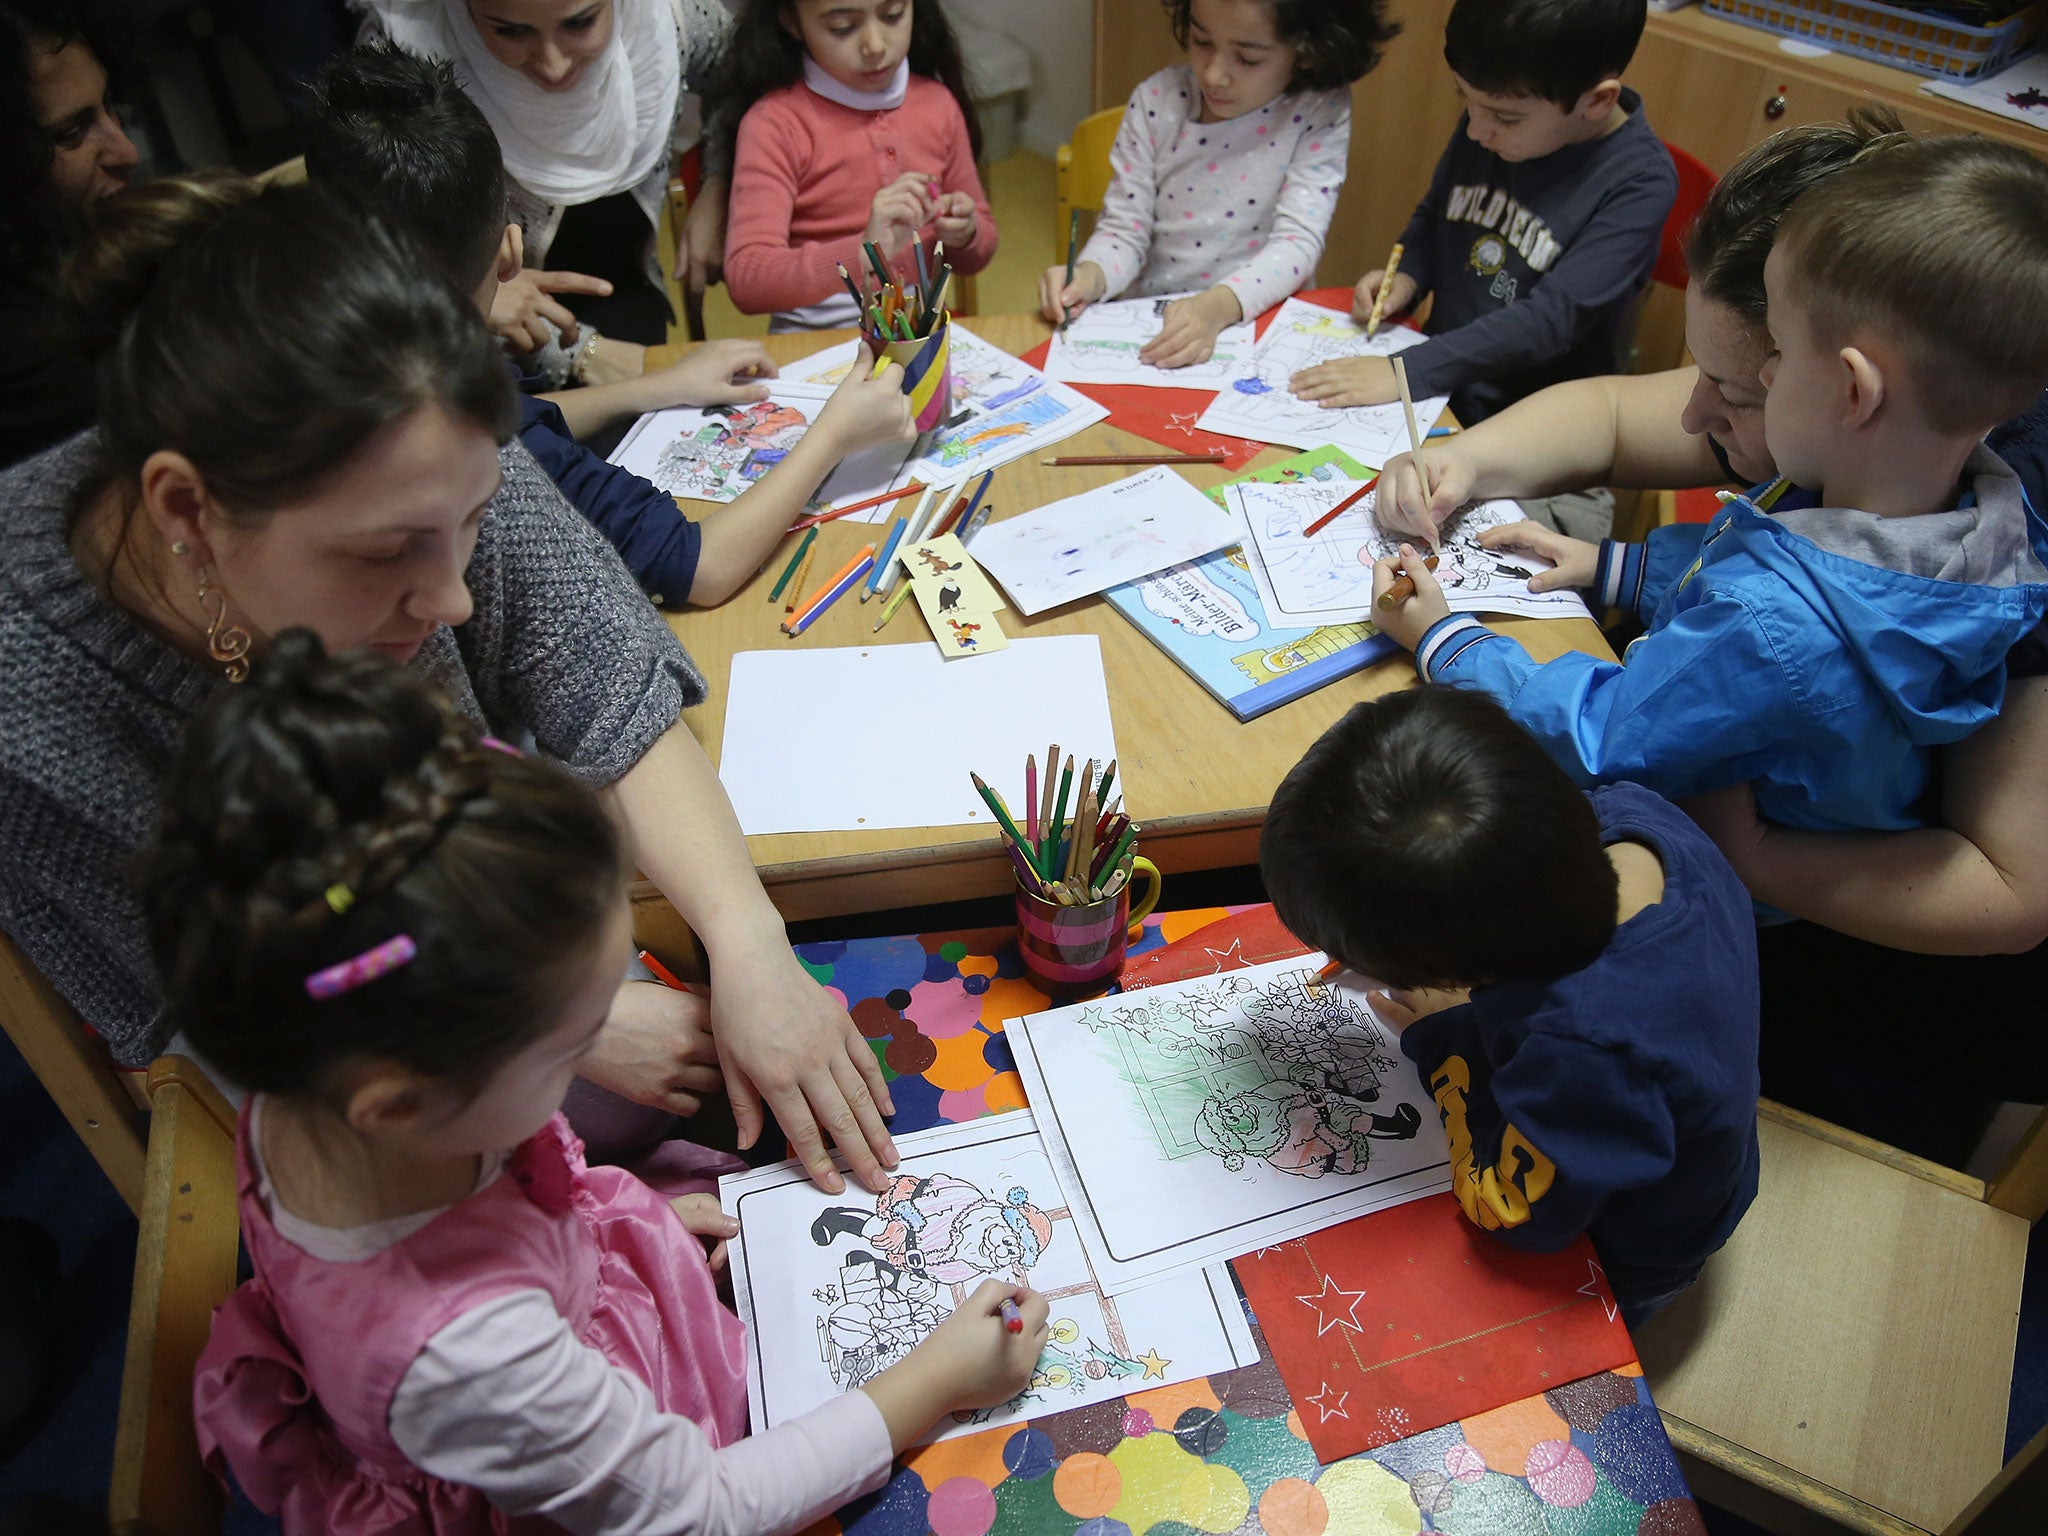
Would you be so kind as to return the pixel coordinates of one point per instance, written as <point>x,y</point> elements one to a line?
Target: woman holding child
<point>303,426</point>
<point>1896,928</point>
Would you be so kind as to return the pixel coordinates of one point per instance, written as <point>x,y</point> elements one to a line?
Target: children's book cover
<point>1412,1318</point>
<point>1207,615</point>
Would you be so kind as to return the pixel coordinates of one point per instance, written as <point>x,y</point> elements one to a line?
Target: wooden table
<point>1195,778</point>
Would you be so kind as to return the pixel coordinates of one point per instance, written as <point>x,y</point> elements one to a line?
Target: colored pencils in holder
<point>1031,797</point>
<point>831,592</point>
<point>1343,506</point>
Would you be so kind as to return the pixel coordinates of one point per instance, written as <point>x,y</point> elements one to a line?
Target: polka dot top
<point>1245,203</point>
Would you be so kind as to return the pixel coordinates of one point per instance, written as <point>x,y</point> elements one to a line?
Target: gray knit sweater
<point>92,706</point>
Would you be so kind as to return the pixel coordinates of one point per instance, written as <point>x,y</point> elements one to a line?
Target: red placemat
<point>1168,416</point>
<point>1412,1318</point>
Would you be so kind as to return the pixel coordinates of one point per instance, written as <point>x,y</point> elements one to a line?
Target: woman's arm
<point>1977,886</point>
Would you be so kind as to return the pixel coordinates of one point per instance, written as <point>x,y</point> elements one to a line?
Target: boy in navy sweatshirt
<point>1542,221</point>
<point>1575,976</point>
<point>396,133</point>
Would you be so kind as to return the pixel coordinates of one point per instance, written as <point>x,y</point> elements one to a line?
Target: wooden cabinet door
<point>1787,101</point>
<point>1695,98</point>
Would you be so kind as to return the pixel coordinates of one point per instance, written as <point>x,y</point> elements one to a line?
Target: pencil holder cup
<point>927,374</point>
<point>1076,951</point>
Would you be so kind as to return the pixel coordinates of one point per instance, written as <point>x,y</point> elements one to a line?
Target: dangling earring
<point>226,643</point>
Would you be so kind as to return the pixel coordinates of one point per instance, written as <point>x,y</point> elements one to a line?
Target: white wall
<point>1059,36</point>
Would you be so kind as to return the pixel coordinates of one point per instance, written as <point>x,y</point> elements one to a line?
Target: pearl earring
<point>181,548</point>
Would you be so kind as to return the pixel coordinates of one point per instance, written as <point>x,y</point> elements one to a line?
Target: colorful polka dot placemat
<point>1225,1455</point>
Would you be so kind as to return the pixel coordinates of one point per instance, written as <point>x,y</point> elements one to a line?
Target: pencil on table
<point>803,572</point>
<point>889,608</point>
<point>796,560</point>
<point>874,581</point>
<point>911,535</point>
<point>1379,300</point>
<point>940,528</point>
<point>882,500</point>
<point>831,592</point>
<point>1076,460</point>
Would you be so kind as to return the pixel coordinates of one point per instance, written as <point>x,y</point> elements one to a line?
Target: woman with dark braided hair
<point>403,935</point>
<point>304,427</point>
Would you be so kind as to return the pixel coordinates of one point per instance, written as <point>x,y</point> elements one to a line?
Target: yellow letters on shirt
<point>1499,1196</point>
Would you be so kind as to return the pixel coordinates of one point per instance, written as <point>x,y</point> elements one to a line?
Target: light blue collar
<point>884,100</point>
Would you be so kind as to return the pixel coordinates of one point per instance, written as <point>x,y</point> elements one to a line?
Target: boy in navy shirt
<point>397,134</point>
<point>1576,977</point>
<point>1542,221</point>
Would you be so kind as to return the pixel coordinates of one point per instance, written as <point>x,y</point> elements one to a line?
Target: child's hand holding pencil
<point>1410,617</point>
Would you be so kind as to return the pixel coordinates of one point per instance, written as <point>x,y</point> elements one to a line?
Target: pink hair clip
<point>377,960</point>
<point>496,745</point>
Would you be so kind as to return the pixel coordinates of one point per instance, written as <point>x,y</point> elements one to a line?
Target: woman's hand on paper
<point>1188,330</point>
<point>787,1044</point>
<point>1572,561</point>
<point>1346,381</point>
<point>1060,300</point>
<point>526,306</point>
<point>864,412</point>
<point>899,210</point>
<point>1399,297</point>
<point>656,1049</point>
<point>1406,623</point>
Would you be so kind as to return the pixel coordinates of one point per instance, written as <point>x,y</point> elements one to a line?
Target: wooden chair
<point>1846,1361</point>
<point>1081,173</point>
<point>185,1266</point>
<point>76,1071</point>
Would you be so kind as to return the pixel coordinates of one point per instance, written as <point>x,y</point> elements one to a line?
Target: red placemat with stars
<point>1412,1317</point>
<point>1168,416</point>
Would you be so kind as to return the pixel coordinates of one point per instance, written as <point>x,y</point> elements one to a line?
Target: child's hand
<point>714,373</point>
<point>1572,560</point>
<point>1346,381</point>
<point>1060,300</point>
<point>863,411</point>
<point>971,1360</point>
<point>1407,622</point>
<point>701,1217</point>
<point>1397,1010</point>
<point>1399,297</point>
<point>956,218</point>
<point>899,210</point>
<point>656,1049</point>
<point>1189,329</point>
<point>523,305</point>
<point>1406,505</point>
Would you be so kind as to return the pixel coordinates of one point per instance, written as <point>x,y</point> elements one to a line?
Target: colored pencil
<point>1331,516</point>
<point>1026,875</point>
<point>884,499</point>
<point>875,257</point>
<point>1121,846</point>
<point>1052,762</point>
<point>874,581</point>
<point>1059,809</point>
<point>1084,823</point>
<point>980,491</point>
<point>1439,432</point>
<point>846,277</point>
<point>1331,971</point>
<point>1403,586</point>
<point>919,515</point>
<point>803,573</point>
<point>831,592</point>
<point>1108,778</point>
<point>1075,460</point>
<point>803,548</point>
<point>1001,811</point>
<point>917,248</point>
<point>1379,300</point>
<point>1031,796</point>
<point>661,972</point>
<point>939,529</point>
<point>1073,245</point>
<point>1408,405</point>
<point>889,608</point>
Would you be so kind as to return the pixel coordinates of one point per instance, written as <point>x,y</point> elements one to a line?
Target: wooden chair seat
<point>1850,1352</point>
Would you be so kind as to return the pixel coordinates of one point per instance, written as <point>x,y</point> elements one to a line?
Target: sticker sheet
<point>835,1289</point>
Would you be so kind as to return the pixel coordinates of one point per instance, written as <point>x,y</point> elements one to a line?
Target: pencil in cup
<point>1074,948</point>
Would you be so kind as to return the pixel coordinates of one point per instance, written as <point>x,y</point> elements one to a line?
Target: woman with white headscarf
<point>587,98</point>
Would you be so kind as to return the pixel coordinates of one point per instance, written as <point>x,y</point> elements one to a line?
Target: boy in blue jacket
<point>1820,644</point>
<point>397,134</point>
<point>1577,977</point>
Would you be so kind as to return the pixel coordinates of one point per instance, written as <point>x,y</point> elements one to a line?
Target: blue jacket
<point>640,521</point>
<point>1818,653</point>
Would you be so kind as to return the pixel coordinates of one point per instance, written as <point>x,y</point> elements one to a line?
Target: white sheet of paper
<point>713,453</point>
<point>1327,578</point>
<point>1115,533</point>
<point>2019,91</point>
<point>1101,346</point>
<point>1255,403</point>
<point>1203,1119</point>
<point>874,736</point>
<point>1003,408</point>
<point>847,1284</point>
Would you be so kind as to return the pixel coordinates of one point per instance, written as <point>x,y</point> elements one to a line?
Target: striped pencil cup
<point>1077,951</point>
<point>927,374</point>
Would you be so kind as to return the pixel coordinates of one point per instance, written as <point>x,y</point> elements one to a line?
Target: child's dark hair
<point>763,54</point>
<point>1554,49</point>
<point>1429,841</point>
<point>1335,41</point>
<point>268,334</point>
<point>28,205</point>
<point>1729,241</point>
<point>329,805</point>
<point>395,133</point>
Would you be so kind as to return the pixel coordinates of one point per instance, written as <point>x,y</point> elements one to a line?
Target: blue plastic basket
<point>1926,44</point>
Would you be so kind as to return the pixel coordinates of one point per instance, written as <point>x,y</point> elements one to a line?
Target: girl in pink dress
<point>400,937</point>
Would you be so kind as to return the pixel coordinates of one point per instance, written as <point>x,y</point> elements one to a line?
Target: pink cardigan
<point>806,173</point>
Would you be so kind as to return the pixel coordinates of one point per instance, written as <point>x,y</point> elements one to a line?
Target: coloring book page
<point>715,452</point>
<point>1003,408</point>
<point>1083,544</point>
<point>1211,1117</point>
<point>1101,346</point>
<point>1255,403</point>
<point>1326,578</point>
<point>848,1284</point>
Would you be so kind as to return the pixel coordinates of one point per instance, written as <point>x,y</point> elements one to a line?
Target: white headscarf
<point>604,134</point>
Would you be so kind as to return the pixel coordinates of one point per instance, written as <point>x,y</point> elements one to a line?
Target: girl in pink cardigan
<point>401,936</point>
<point>860,130</point>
